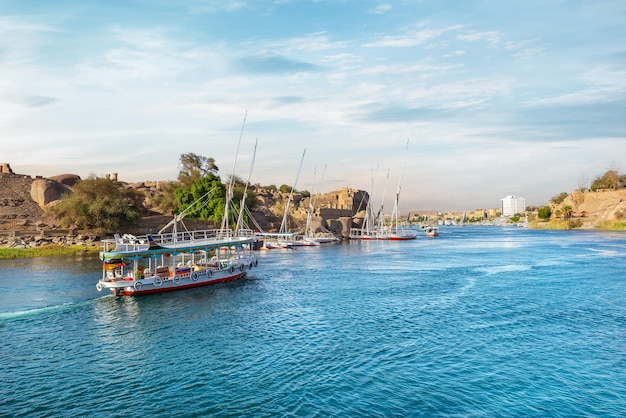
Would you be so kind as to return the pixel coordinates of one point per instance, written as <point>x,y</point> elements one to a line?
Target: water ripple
<point>482,322</point>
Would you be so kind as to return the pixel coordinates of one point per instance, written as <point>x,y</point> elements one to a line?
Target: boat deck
<point>134,245</point>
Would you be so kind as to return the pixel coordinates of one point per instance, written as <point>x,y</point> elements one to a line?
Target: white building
<point>512,205</point>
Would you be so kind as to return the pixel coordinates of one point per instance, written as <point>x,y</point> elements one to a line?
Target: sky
<point>456,103</point>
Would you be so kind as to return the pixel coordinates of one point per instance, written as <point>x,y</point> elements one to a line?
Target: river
<point>481,321</point>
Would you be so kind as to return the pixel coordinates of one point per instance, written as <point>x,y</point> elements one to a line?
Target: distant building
<point>493,213</point>
<point>5,168</point>
<point>511,205</point>
<point>477,214</point>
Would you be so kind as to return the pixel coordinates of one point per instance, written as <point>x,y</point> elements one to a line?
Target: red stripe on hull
<point>180,287</point>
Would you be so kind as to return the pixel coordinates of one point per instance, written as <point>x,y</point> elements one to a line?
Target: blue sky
<point>496,98</point>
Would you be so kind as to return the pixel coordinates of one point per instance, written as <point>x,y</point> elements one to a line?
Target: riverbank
<point>47,250</point>
<point>577,224</point>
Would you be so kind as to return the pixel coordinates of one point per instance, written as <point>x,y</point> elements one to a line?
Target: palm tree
<point>566,211</point>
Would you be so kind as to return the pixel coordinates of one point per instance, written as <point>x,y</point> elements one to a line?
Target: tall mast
<point>380,216</point>
<point>369,211</point>
<point>308,231</point>
<point>397,201</point>
<point>242,205</point>
<point>229,192</point>
<point>283,225</point>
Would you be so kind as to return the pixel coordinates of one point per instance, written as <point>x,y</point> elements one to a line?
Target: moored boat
<point>432,231</point>
<point>402,234</point>
<point>173,261</point>
<point>399,232</point>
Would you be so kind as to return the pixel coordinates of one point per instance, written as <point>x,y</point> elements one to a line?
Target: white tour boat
<point>172,261</point>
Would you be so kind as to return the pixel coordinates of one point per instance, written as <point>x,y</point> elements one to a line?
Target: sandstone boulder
<point>66,179</point>
<point>44,191</point>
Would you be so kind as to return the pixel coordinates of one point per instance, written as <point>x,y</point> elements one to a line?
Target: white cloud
<point>605,85</point>
<point>412,37</point>
<point>492,37</point>
<point>468,99</point>
<point>216,6</point>
<point>380,9</point>
<point>310,43</point>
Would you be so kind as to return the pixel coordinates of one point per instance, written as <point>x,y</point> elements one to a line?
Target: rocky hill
<point>17,208</point>
<point>593,208</point>
<point>23,200</point>
<point>23,203</point>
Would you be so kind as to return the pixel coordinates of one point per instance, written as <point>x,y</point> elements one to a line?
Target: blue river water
<point>481,321</point>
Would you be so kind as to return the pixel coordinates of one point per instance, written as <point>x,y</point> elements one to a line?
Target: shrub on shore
<point>615,225</point>
<point>44,251</point>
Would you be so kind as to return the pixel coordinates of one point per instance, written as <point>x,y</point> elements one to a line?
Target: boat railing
<point>188,236</point>
<point>130,243</point>
<point>224,233</point>
<point>108,245</point>
<point>245,233</point>
<point>125,244</point>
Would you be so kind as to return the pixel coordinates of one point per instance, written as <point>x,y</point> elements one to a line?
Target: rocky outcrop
<point>24,200</point>
<point>594,207</point>
<point>66,179</point>
<point>333,211</point>
<point>17,208</point>
<point>21,240</point>
<point>45,191</point>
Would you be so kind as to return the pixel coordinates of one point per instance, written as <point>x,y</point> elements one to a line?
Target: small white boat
<point>173,261</point>
<point>402,234</point>
<point>432,231</point>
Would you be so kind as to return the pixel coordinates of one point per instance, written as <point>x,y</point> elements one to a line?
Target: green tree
<point>205,199</point>
<point>558,199</point>
<point>285,189</point>
<point>99,204</point>
<point>193,167</point>
<point>544,212</point>
<point>609,180</point>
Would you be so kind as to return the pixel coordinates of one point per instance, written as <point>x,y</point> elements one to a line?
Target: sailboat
<point>284,238</point>
<point>367,231</point>
<point>399,233</point>
<point>381,230</point>
<point>310,236</point>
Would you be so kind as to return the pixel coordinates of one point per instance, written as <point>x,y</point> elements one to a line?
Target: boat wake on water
<point>67,306</point>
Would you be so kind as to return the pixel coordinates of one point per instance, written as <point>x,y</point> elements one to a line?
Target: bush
<point>99,204</point>
<point>544,212</point>
<point>574,224</point>
<point>557,200</point>
<point>166,200</point>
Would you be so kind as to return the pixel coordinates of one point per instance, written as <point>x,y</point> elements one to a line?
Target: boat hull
<point>157,284</point>
<point>402,237</point>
